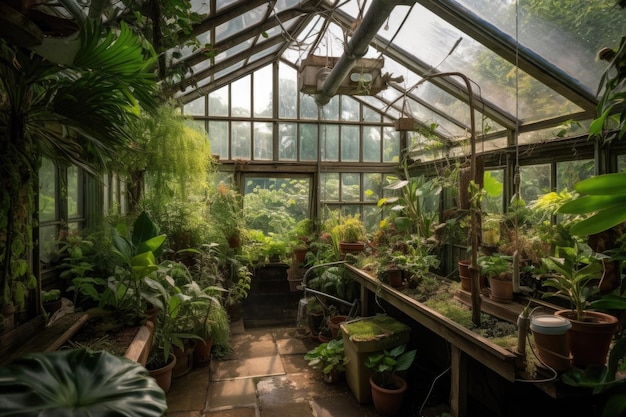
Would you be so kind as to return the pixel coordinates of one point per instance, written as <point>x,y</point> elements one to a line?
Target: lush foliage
<point>328,357</point>
<point>388,362</point>
<point>575,270</point>
<point>78,383</point>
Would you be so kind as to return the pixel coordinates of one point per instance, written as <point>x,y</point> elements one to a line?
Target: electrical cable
<point>419,413</point>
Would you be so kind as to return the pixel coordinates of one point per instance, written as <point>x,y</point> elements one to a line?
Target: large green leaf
<point>78,382</point>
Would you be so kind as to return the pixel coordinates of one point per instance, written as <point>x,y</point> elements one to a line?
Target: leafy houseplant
<point>497,268</point>
<point>387,387</point>
<point>575,272</point>
<point>329,357</point>
<point>385,364</point>
<point>78,382</point>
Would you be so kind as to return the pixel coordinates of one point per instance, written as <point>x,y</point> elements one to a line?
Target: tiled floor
<point>265,376</point>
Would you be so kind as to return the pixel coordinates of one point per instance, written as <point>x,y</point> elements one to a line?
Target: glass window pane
<point>371,217</point>
<point>218,102</point>
<point>350,187</point>
<point>349,109</point>
<point>218,135</point>
<point>391,145</point>
<point>287,92</point>
<point>372,187</point>
<point>287,150</point>
<point>275,205</point>
<point>371,144</point>
<point>331,110</point>
<point>534,181</point>
<point>330,142</point>
<point>240,95</point>
<point>370,115</point>
<point>350,143</point>
<point>263,141</point>
<point>494,185</point>
<point>308,142</point>
<point>308,107</point>
<point>329,187</point>
<point>621,163</point>
<point>570,172</point>
<point>74,206</point>
<point>196,107</point>
<point>48,238</point>
<point>263,87</point>
<point>241,140</point>
<point>47,191</point>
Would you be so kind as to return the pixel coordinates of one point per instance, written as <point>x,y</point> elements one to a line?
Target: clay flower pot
<point>388,401</point>
<point>590,339</point>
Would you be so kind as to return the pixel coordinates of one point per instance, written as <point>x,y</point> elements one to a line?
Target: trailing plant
<point>75,114</point>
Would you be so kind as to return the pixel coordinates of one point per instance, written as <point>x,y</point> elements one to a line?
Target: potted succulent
<point>497,268</point>
<point>387,387</point>
<point>330,358</point>
<point>575,272</point>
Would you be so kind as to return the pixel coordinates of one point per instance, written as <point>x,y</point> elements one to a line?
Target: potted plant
<point>387,387</point>
<point>497,268</point>
<point>51,300</point>
<point>351,234</point>
<point>225,208</point>
<point>575,272</point>
<point>79,382</point>
<point>391,266</point>
<point>330,358</point>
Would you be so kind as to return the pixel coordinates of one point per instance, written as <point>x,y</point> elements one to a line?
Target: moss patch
<point>372,328</point>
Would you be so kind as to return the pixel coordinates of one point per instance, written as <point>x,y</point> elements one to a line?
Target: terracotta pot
<point>388,401</point>
<point>202,353</point>
<point>394,277</point>
<point>589,340</point>
<point>552,340</point>
<point>333,324</point>
<point>163,376</point>
<point>350,247</point>
<point>323,338</point>
<point>52,307</point>
<point>184,359</point>
<point>464,266</point>
<point>501,290</point>
<point>299,254</point>
<point>293,284</point>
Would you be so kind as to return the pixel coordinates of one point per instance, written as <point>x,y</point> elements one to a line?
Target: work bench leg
<point>459,378</point>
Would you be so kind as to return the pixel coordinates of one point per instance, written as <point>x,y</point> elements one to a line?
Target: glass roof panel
<point>431,39</point>
<point>233,51</point>
<point>583,26</point>
<point>264,53</point>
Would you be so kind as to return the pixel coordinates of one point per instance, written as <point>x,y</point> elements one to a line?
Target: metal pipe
<point>357,46</point>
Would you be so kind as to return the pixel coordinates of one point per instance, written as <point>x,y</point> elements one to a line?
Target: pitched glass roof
<point>531,64</point>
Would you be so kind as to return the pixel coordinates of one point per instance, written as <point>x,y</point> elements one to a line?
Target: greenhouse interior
<point>229,208</point>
